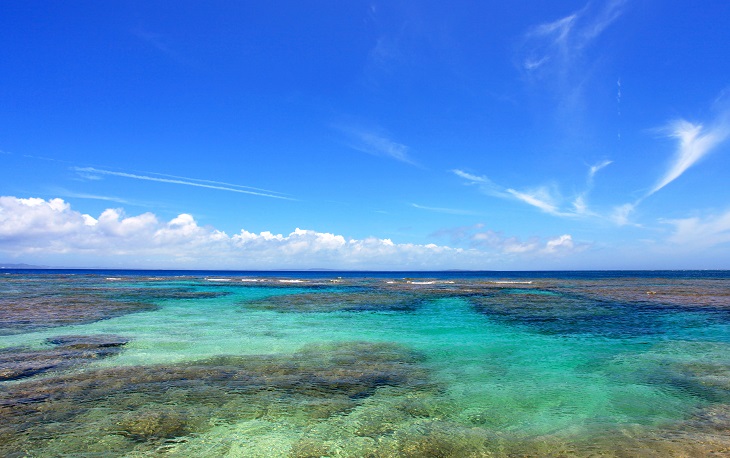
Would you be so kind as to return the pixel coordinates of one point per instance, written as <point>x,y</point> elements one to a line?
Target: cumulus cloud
<point>562,243</point>
<point>52,230</point>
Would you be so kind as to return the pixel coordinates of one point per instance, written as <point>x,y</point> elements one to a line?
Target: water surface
<point>138,363</point>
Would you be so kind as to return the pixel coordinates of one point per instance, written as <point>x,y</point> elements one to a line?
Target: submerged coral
<point>67,352</point>
<point>352,301</point>
<point>47,301</point>
<point>148,404</point>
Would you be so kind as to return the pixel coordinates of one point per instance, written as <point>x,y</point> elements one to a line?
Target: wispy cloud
<point>695,142</point>
<point>477,236</point>
<point>450,211</point>
<point>561,57</point>
<point>580,202</point>
<point>161,43</point>
<point>540,198</point>
<point>555,44</point>
<point>701,232</point>
<point>470,177</point>
<point>484,184</point>
<point>183,181</point>
<point>595,168</point>
<point>377,143</point>
<point>81,195</point>
<point>621,214</point>
<point>545,198</point>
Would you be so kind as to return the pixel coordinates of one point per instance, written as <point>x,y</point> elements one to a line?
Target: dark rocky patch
<point>36,313</point>
<point>67,352</point>
<point>659,292</point>
<point>565,313</point>
<point>31,303</point>
<point>149,294</point>
<point>356,301</point>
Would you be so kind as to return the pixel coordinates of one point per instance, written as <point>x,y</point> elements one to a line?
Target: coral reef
<point>67,352</point>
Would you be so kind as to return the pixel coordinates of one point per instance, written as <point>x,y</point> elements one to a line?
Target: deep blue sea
<point>364,364</point>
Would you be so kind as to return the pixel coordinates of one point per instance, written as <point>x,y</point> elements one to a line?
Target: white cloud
<point>558,244</point>
<point>450,211</point>
<point>592,170</point>
<point>544,198</point>
<point>470,177</point>
<point>621,214</point>
<point>93,173</point>
<point>484,184</point>
<point>580,204</point>
<point>541,198</point>
<point>477,237</point>
<point>48,230</point>
<point>80,195</point>
<point>555,44</point>
<point>24,218</point>
<point>377,143</point>
<point>695,142</point>
<point>699,232</point>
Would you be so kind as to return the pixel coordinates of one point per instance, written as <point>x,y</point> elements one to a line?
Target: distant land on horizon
<point>24,266</point>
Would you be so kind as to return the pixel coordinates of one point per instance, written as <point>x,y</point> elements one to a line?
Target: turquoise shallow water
<point>321,365</point>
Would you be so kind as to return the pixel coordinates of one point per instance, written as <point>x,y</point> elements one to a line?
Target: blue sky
<point>365,135</point>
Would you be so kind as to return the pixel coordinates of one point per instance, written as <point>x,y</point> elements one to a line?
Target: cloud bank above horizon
<point>52,229</point>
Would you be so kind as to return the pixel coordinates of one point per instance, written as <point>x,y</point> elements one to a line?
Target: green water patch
<point>698,372</point>
<point>62,353</point>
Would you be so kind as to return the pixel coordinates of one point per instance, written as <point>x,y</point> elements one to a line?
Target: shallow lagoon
<point>381,365</point>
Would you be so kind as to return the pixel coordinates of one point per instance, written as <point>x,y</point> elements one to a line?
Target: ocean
<point>364,364</point>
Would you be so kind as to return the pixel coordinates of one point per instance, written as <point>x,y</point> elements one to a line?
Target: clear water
<point>447,364</point>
